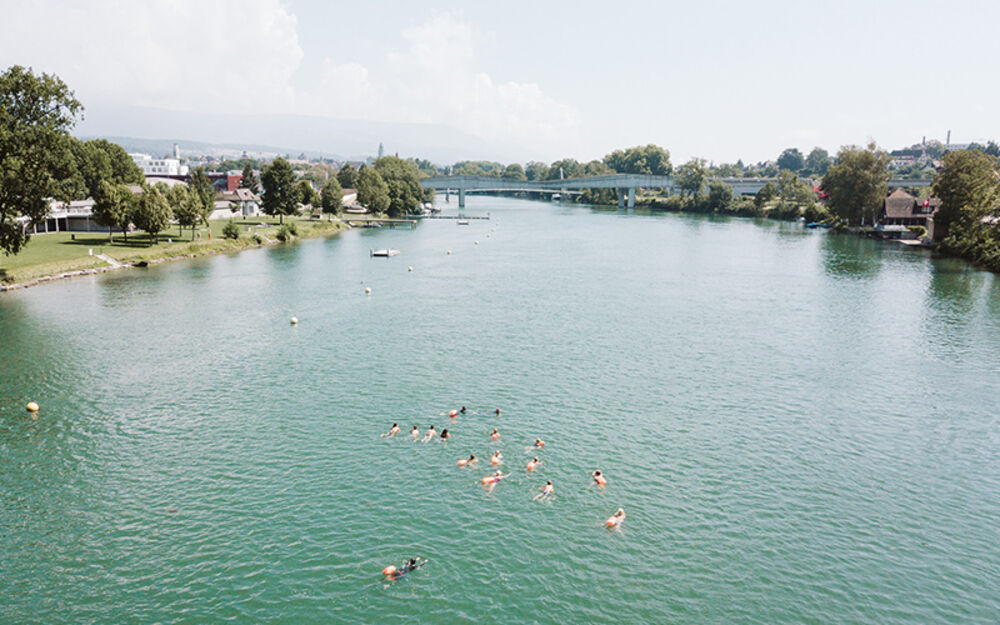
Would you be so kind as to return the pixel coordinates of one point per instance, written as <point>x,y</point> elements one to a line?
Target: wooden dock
<point>378,223</point>
<point>453,216</point>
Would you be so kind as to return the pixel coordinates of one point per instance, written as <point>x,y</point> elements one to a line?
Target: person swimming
<point>415,433</point>
<point>495,434</point>
<point>497,411</point>
<point>539,443</point>
<point>462,411</point>
<point>496,459</point>
<point>616,519</point>
<point>467,461</point>
<point>491,481</point>
<point>547,490</point>
<point>393,573</point>
<point>445,435</point>
<point>599,478</point>
<point>534,462</point>
<point>429,434</point>
<point>394,430</point>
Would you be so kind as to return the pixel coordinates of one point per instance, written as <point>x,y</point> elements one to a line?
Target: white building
<point>159,166</point>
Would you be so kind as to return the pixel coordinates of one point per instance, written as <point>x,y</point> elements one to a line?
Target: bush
<point>285,233</point>
<point>293,228</point>
<point>257,238</point>
<point>231,230</point>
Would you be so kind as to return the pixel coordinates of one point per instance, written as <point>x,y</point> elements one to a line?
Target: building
<point>159,166</point>
<point>902,209</point>
<point>246,201</point>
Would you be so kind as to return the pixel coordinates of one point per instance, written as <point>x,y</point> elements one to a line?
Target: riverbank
<point>59,256</point>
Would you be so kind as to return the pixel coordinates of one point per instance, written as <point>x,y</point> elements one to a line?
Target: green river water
<point>801,427</point>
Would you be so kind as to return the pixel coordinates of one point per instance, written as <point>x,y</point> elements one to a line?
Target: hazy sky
<point>720,80</point>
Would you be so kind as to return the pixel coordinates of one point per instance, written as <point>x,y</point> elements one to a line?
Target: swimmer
<point>393,573</point>
<point>429,434</point>
<point>496,459</point>
<point>462,410</point>
<point>415,433</point>
<point>539,443</point>
<point>497,411</point>
<point>534,462</point>
<point>492,481</point>
<point>464,462</point>
<point>394,430</point>
<point>616,519</point>
<point>445,435</point>
<point>547,490</point>
<point>599,478</point>
<point>495,434</point>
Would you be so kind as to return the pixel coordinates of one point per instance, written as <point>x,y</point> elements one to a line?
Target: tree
<point>331,197</point>
<point>967,187</point>
<point>152,213</point>
<point>565,168</point>
<point>720,195</point>
<point>203,194</point>
<point>373,192</point>
<point>281,195</point>
<point>791,159</point>
<point>186,206</point>
<point>307,194</point>
<point>113,207</point>
<point>857,184</point>
<point>403,182</point>
<point>648,159</point>
<point>36,113</point>
<point>818,161</point>
<point>765,194</point>
<point>690,178</point>
<point>347,176</point>
<point>536,171</point>
<point>249,179</point>
<point>514,171</point>
<point>123,168</point>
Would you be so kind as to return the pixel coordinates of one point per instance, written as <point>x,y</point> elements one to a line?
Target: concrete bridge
<point>626,184</point>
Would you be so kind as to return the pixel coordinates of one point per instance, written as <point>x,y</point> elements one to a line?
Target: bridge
<point>626,184</point>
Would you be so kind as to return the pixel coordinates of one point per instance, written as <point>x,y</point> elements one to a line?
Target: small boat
<point>556,197</point>
<point>385,253</point>
<point>462,222</point>
<point>817,224</point>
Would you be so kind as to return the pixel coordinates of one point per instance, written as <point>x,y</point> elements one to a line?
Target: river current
<point>801,427</point>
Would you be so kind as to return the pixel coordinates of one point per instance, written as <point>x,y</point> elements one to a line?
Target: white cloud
<point>242,55</point>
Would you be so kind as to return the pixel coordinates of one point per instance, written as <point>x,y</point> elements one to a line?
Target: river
<point>802,428</point>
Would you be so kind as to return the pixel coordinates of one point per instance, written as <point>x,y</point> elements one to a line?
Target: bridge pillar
<point>631,197</point>
<point>621,198</point>
<point>461,198</point>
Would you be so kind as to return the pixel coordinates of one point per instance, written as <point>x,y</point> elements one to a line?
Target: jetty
<point>462,217</point>
<point>385,253</point>
<point>371,222</point>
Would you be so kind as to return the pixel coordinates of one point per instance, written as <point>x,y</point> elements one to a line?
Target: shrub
<point>257,238</point>
<point>285,233</point>
<point>231,230</point>
<point>293,228</point>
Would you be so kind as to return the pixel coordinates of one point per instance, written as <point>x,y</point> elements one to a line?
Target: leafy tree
<point>426,168</point>
<point>347,176</point>
<point>36,113</point>
<point>765,194</point>
<point>152,213</point>
<point>203,193</point>
<point>690,178</point>
<point>514,171</point>
<point>373,192</point>
<point>818,161</point>
<point>403,182</point>
<point>123,168</point>
<point>281,195</point>
<point>536,171</point>
<point>649,159</point>
<point>249,179</point>
<point>857,184</point>
<point>720,195</point>
<point>113,207</point>
<point>332,197</point>
<point>967,187</point>
<point>307,194</point>
<point>597,196</point>
<point>565,168</point>
<point>186,207</point>
<point>791,159</point>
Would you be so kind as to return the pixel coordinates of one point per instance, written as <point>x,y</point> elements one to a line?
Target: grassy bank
<point>47,256</point>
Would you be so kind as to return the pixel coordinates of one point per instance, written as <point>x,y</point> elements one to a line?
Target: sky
<point>720,80</point>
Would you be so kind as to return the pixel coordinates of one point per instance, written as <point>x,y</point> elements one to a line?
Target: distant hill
<point>155,131</point>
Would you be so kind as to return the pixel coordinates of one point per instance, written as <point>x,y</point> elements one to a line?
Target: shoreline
<point>209,248</point>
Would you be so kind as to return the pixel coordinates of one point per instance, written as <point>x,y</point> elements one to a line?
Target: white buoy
<point>368,290</point>
<point>410,268</point>
<point>477,242</point>
<point>294,321</point>
<point>449,252</point>
<point>32,406</point>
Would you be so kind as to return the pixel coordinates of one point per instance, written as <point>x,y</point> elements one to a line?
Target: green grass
<point>55,253</point>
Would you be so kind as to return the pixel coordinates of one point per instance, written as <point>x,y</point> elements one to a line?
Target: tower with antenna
<point>381,150</point>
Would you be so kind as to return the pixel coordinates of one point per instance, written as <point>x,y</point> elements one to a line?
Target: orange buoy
<point>453,414</point>
<point>389,570</point>
<point>612,522</point>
